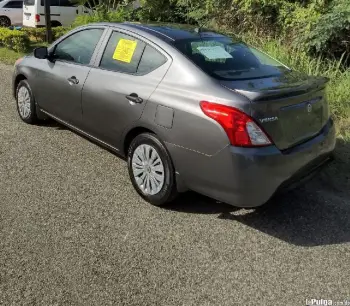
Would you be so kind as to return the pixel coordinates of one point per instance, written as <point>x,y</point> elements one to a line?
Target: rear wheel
<point>55,24</point>
<point>5,22</point>
<point>151,170</point>
<point>25,102</point>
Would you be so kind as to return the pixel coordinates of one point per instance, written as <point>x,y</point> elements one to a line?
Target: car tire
<point>5,22</point>
<point>151,169</point>
<point>55,24</point>
<point>25,102</point>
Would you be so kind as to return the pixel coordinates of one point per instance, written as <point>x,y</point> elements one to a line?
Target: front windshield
<point>225,59</point>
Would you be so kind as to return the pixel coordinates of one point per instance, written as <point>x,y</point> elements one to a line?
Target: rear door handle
<point>73,80</point>
<point>134,98</point>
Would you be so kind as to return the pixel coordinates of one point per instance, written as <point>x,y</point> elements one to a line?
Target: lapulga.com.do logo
<point>321,302</point>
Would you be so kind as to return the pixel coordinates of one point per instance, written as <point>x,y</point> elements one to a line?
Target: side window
<point>67,3</point>
<point>151,60</point>
<point>79,47</point>
<point>52,3</point>
<point>123,53</point>
<point>14,4</point>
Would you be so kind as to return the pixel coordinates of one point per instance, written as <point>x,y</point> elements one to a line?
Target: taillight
<point>240,128</point>
<point>37,18</point>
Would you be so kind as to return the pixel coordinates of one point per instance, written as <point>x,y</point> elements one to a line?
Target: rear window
<point>29,2</point>
<point>226,59</point>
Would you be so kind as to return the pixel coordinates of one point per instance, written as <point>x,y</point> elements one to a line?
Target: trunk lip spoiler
<point>304,88</point>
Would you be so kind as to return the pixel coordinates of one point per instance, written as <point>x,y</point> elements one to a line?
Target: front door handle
<point>134,98</point>
<point>73,80</point>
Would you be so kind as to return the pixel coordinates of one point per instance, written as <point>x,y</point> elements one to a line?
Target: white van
<point>11,12</point>
<point>63,13</point>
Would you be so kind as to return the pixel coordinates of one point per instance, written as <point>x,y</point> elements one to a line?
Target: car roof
<point>168,33</point>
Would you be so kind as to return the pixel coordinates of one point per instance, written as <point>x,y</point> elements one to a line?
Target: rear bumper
<point>249,177</point>
<point>305,173</point>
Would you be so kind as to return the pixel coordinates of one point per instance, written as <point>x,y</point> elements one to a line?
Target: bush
<point>36,34</point>
<point>14,39</point>
<point>329,34</point>
<point>101,16</point>
<point>60,31</point>
<point>39,34</point>
<point>320,27</point>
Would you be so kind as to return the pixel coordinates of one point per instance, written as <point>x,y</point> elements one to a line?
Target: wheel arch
<point>131,134</point>
<point>137,130</point>
<point>7,17</point>
<point>20,77</point>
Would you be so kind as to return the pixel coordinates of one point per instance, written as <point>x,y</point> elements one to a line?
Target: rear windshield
<point>29,2</point>
<point>226,59</point>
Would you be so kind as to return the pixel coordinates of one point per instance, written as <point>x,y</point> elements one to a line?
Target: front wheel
<point>25,103</point>
<point>151,170</point>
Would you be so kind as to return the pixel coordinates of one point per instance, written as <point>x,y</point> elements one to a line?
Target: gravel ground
<point>74,232</point>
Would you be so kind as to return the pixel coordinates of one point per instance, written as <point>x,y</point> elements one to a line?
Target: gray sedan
<point>189,109</point>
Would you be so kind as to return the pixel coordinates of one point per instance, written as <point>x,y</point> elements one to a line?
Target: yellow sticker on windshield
<point>125,50</point>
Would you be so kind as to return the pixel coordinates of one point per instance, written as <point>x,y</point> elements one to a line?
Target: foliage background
<point>318,26</point>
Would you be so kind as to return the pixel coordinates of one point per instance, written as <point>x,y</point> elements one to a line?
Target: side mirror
<point>41,53</point>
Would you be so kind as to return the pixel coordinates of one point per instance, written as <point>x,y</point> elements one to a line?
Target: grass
<point>9,56</point>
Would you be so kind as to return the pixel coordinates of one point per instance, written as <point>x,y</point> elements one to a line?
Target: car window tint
<point>123,53</point>
<point>151,60</point>
<point>52,3</point>
<point>78,47</point>
<point>14,4</point>
<point>67,3</point>
<point>227,59</point>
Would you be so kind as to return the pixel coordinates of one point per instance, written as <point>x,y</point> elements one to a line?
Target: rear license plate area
<point>302,120</point>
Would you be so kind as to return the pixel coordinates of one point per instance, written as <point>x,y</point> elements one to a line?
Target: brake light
<point>240,128</point>
<point>37,18</point>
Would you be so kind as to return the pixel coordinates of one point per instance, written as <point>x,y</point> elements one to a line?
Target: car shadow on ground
<point>191,202</point>
<point>315,214</point>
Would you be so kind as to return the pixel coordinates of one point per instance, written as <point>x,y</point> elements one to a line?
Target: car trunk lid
<point>291,108</point>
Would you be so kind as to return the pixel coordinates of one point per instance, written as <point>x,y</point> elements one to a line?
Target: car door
<point>14,11</point>
<point>60,80</point>
<point>115,92</point>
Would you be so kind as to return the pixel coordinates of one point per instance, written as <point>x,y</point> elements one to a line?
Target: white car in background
<point>63,12</point>
<point>11,12</point>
